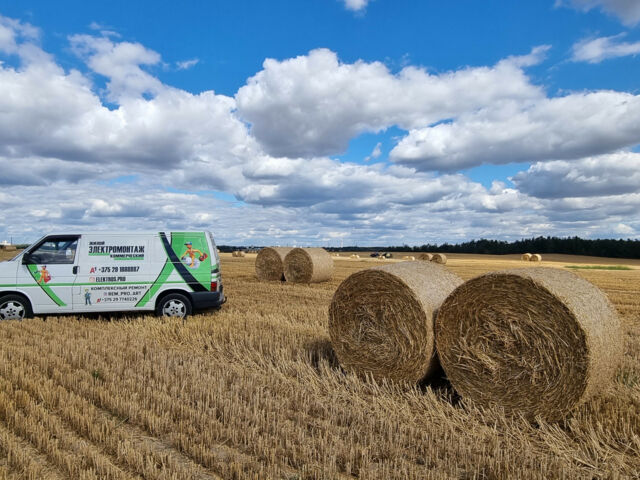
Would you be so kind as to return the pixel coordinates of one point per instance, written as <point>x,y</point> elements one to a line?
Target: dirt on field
<point>253,391</point>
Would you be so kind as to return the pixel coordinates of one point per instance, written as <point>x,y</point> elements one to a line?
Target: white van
<point>171,273</point>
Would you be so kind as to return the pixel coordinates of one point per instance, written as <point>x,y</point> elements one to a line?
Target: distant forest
<point>570,246</point>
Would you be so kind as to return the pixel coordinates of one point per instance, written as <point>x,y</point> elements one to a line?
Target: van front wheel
<point>14,307</point>
<point>174,305</point>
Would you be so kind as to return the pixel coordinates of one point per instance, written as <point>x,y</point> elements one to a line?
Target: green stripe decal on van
<point>33,269</point>
<point>161,280</point>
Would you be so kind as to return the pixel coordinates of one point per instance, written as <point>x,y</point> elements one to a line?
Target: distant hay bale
<point>536,258</point>
<point>308,265</point>
<point>381,257</point>
<point>354,255</point>
<point>426,256</point>
<point>238,253</point>
<point>533,341</point>
<point>440,258</point>
<point>270,263</point>
<point>406,257</point>
<point>381,319</point>
<point>526,257</point>
<point>412,258</point>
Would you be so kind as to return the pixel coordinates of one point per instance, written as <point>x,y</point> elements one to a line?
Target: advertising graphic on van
<point>116,252</point>
<point>42,277</point>
<point>105,271</point>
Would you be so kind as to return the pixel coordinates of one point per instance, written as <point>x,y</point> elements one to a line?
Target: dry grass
<point>254,391</point>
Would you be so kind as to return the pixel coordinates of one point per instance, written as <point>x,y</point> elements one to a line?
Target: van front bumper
<point>204,300</point>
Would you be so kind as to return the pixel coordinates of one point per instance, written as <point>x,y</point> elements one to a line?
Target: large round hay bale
<point>308,265</point>
<point>270,263</point>
<point>425,256</point>
<point>381,319</point>
<point>526,257</point>
<point>440,258</point>
<point>534,341</point>
<point>536,257</point>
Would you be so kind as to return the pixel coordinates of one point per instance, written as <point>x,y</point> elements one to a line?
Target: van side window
<point>55,251</point>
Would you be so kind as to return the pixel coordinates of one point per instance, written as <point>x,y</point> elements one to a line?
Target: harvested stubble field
<point>254,391</point>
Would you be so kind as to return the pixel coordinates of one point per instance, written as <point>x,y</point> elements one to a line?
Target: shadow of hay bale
<point>439,384</point>
<point>319,352</point>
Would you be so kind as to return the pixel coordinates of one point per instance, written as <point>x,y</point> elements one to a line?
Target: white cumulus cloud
<point>595,50</point>
<point>570,127</point>
<point>314,104</point>
<point>606,175</point>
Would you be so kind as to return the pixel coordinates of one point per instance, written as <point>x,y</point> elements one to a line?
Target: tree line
<point>570,246</point>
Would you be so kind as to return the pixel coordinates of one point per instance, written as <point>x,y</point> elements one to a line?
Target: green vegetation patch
<point>599,267</point>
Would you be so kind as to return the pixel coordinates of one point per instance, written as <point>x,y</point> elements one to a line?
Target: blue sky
<point>320,121</point>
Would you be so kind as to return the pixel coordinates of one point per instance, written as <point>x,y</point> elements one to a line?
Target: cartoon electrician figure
<point>45,276</point>
<point>191,253</point>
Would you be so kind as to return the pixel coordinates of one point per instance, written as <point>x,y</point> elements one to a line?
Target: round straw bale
<point>536,257</point>
<point>534,341</point>
<point>381,319</point>
<point>426,256</point>
<point>412,258</point>
<point>526,257</point>
<point>354,255</point>
<point>308,265</point>
<point>269,263</point>
<point>440,258</point>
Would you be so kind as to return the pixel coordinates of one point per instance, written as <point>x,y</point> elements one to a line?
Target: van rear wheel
<point>174,305</point>
<point>14,307</point>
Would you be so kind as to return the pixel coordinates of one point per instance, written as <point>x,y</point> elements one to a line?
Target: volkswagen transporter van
<point>170,273</point>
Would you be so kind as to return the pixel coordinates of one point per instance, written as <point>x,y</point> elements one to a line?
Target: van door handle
<point>75,270</point>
